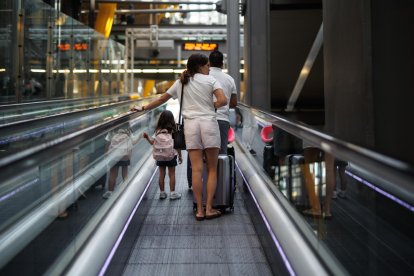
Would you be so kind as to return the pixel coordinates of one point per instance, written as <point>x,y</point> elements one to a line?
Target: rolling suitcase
<point>270,161</point>
<point>224,197</point>
<point>296,188</point>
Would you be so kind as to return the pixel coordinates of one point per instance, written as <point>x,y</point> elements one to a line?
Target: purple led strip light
<point>375,188</point>
<point>121,235</point>
<point>279,247</point>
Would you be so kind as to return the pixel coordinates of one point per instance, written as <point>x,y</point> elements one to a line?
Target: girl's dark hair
<point>166,121</point>
<point>195,61</point>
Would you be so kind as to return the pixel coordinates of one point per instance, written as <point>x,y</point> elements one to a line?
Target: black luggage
<point>270,160</point>
<point>295,181</point>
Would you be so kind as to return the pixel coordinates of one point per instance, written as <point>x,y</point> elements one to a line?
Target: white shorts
<point>201,133</point>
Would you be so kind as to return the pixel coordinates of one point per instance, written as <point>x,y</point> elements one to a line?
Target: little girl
<point>166,121</point>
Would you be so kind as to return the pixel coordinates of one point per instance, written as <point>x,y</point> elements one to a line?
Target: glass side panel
<point>7,33</point>
<point>21,112</point>
<point>68,188</point>
<point>37,17</point>
<point>367,229</point>
<point>26,135</point>
<point>59,57</point>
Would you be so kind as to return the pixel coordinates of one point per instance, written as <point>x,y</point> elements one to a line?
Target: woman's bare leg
<point>311,156</point>
<point>212,159</point>
<point>196,158</point>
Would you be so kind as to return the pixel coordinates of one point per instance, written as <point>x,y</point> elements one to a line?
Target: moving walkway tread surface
<point>171,241</point>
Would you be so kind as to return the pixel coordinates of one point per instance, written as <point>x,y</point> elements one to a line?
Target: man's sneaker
<point>107,194</point>
<point>175,195</point>
<point>252,152</point>
<point>163,195</point>
<point>334,195</point>
<point>342,194</point>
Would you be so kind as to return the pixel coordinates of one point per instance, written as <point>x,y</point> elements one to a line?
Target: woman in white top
<point>202,134</point>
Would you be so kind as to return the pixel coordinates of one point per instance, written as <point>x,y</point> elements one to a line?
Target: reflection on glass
<point>75,181</point>
<point>368,230</point>
<point>61,57</point>
<point>7,32</point>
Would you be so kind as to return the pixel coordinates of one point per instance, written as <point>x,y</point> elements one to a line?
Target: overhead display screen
<point>196,46</point>
<point>63,47</point>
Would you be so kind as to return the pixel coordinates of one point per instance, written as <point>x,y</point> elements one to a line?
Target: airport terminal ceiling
<point>166,34</point>
<point>182,28</point>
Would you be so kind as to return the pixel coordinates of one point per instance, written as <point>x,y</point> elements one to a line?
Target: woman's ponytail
<point>185,76</point>
<point>195,61</point>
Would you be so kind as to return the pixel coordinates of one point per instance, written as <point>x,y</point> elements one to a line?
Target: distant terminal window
<point>191,46</point>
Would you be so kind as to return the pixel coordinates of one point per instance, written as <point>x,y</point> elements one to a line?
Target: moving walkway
<point>134,232</point>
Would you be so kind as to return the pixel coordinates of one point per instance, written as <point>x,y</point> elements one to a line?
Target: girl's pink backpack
<point>163,147</point>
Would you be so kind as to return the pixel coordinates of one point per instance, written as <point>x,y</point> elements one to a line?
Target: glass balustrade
<point>368,228</point>
<point>63,190</point>
<point>45,55</point>
<point>25,135</point>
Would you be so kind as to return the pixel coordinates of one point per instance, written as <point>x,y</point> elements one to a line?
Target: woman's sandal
<point>199,218</point>
<point>327,216</point>
<point>312,213</point>
<point>214,214</point>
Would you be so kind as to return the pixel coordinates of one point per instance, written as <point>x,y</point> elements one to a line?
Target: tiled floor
<point>172,242</point>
